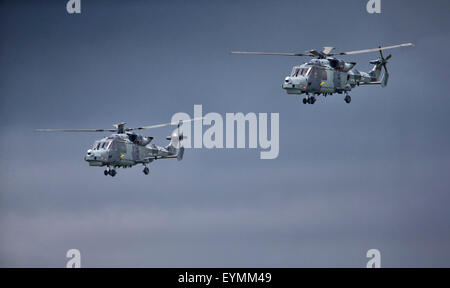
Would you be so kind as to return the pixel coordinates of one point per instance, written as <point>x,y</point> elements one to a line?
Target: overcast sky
<point>372,174</point>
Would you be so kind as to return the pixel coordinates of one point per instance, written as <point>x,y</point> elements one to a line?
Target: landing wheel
<point>112,172</point>
<point>348,99</point>
<point>305,101</point>
<point>106,172</point>
<point>146,171</point>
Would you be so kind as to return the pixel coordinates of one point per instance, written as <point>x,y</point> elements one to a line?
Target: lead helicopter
<point>126,149</point>
<point>326,75</point>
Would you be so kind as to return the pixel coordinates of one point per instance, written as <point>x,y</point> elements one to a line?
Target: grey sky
<point>372,174</point>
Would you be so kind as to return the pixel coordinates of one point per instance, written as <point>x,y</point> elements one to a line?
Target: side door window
<point>315,73</point>
<point>121,148</point>
<point>324,75</point>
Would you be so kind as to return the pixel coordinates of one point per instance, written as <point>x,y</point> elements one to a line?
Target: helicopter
<point>126,149</point>
<point>326,75</point>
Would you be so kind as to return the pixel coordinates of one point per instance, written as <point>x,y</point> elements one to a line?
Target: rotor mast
<point>120,127</point>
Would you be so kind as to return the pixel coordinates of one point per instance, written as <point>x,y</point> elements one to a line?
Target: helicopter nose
<point>90,156</point>
<point>288,83</point>
<point>302,81</point>
<point>293,82</point>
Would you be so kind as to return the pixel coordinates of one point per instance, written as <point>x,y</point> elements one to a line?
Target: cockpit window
<point>300,71</point>
<point>305,71</point>
<point>96,145</point>
<point>295,71</point>
<point>102,145</point>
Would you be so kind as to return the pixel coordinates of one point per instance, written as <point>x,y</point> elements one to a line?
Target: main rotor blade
<point>75,130</point>
<point>271,53</point>
<point>164,124</point>
<point>372,50</point>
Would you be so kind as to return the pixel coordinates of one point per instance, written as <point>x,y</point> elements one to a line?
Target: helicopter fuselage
<point>126,150</point>
<point>325,76</point>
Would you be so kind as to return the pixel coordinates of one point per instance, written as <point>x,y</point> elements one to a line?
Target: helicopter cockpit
<point>300,71</point>
<point>102,144</point>
<point>98,154</point>
<point>297,80</point>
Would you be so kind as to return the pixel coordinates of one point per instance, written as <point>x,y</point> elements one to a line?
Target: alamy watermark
<point>375,258</point>
<point>238,130</point>
<point>373,6</point>
<point>74,256</point>
<point>73,6</point>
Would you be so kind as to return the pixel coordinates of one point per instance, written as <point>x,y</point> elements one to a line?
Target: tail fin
<point>180,153</point>
<point>175,145</point>
<point>376,70</point>
<point>385,78</point>
<point>375,73</point>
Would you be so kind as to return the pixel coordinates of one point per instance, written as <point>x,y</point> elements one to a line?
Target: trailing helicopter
<point>326,75</point>
<point>126,149</point>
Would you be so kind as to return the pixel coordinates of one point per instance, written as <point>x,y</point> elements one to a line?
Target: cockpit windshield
<point>102,145</point>
<point>96,145</point>
<point>297,71</point>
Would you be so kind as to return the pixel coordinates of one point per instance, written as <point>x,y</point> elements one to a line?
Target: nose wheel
<point>111,172</point>
<point>348,99</point>
<point>146,171</point>
<point>309,100</point>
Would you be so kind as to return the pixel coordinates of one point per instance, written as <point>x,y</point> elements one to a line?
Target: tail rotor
<point>383,62</point>
<point>175,145</point>
<point>175,141</point>
<point>180,138</point>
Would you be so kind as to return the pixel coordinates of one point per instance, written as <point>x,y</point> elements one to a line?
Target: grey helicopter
<point>126,149</point>
<point>326,75</point>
